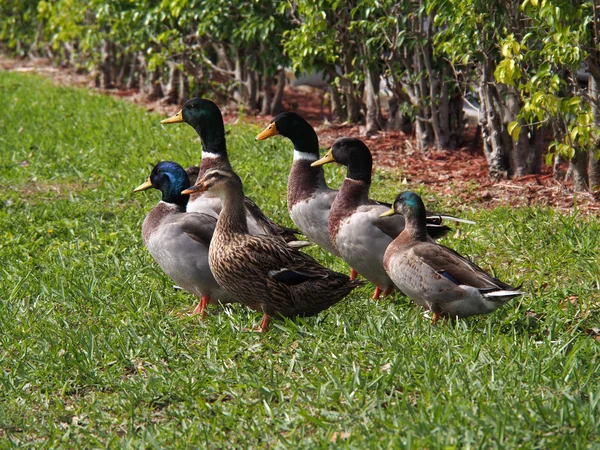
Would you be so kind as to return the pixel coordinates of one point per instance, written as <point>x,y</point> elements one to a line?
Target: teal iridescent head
<point>170,179</point>
<point>408,204</point>
<point>205,117</point>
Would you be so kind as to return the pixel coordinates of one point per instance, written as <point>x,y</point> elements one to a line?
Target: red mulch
<point>461,174</point>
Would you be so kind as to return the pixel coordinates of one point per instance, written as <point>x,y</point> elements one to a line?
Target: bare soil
<point>461,173</point>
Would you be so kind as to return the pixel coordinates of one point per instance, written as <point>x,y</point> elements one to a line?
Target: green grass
<point>94,352</point>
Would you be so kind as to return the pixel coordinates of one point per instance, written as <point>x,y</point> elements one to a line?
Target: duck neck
<point>353,193</point>
<point>214,147</point>
<point>232,219</point>
<point>415,225</point>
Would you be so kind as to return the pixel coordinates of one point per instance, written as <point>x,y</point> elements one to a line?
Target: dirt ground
<point>460,173</point>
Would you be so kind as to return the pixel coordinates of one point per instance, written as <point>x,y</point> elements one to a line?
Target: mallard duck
<point>356,229</point>
<point>308,196</point>
<point>177,240</point>
<point>434,276</point>
<point>205,117</point>
<point>262,271</point>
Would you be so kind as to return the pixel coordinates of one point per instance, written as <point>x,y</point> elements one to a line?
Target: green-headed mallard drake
<point>434,276</point>
<point>308,196</point>
<point>205,117</point>
<point>262,271</point>
<point>356,229</point>
<point>179,240</point>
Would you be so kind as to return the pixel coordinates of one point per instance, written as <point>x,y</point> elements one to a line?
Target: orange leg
<point>377,293</point>
<point>264,324</point>
<point>353,274</point>
<point>201,308</point>
<point>436,318</point>
<point>389,290</point>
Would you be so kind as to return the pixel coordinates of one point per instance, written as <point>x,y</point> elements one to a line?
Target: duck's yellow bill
<point>174,119</point>
<point>389,212</point>
<point>143,186</point>
<point>269,131</point>
<point>328,158</point>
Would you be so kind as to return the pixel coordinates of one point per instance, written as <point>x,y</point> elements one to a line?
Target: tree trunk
<point>578,171</point>
<point>252,87</point>
<point>105,80</point>
<point>373,116</point>
<point>267,94</point>
<point>594,161</point>
<point>173,83</point>
<point>456,119</point>
<point>239,93</point>
<point>397,119</point>
<point>184,88</point>
<point>336,103</point>
<point>155,89</point>
<point>490,120</point>
<point>131,79</point>
<point>277,101</point>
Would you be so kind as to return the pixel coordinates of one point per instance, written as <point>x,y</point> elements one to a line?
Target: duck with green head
<point>179,240</point>
<point>355,227</point>
<point>262,271</point>
<point>308,196</point>
<point>434,276</point>
<point>206,118</point>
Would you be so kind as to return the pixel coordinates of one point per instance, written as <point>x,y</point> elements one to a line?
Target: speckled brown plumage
<point>265,273</point>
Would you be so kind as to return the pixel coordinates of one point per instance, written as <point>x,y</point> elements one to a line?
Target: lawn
<point>95,350</point>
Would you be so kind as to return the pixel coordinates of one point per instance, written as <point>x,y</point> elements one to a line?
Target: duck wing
<point>269,227</point>
<point>199,226</point>
<point>456,268</point>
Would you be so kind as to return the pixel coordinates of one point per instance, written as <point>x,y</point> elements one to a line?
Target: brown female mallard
<point>262,271</point>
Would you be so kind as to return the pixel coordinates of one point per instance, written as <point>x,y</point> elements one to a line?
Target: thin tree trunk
<point>491,125</point>
<point>578,171</point>
<point>239,93</point>
<point>252,87</point>
<point>397,120</point>
<point>373,116</point>
<point>336,103</point>
<point>277,101</point>
<point>155,89</point>
<point>173,83</point>
<point>105,66</point>
<point>594,161</point>
<point>267,94</point>
<point>125,63</point>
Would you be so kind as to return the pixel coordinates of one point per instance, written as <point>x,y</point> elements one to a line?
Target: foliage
<point>545,63</point>
<point>95,353</point>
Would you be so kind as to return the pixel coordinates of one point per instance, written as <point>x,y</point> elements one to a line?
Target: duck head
<point>295,128</point>
<point>218,181</point>
<point>352,153</point>
<point>205,117</point>
<point>170,179</point>
<point>407,204</point>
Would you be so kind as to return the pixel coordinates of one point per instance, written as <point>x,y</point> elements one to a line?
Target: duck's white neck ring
<point>207,155</point>
<point>298,156</point>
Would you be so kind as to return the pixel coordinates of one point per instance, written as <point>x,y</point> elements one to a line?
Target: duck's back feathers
<point>200,227</point>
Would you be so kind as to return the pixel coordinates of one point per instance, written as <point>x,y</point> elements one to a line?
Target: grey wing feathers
<point>445,260</point>
<point>269,227</point>
<point>199,226</point>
